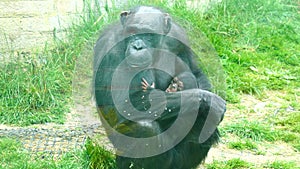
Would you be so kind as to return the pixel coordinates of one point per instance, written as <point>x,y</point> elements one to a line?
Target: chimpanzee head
<point>144,28</point>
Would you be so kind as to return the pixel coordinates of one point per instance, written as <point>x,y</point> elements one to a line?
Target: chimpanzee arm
<point>213,103</point>
<point>206,105</point>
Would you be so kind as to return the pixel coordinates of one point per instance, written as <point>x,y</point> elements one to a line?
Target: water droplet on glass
<point>143,97</point>
<point>155,115</point>
<point>150,112</point>
<point>126,101</point>
<point>128,114</point>
<point>170,110</point>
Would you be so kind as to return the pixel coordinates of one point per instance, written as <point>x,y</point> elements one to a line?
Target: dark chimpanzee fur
<point>140,30</point>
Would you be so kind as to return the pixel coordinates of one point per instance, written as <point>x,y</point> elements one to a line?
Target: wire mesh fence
<point>52,140</point>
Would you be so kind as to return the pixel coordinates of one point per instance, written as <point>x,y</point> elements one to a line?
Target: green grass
<point>35,88</point>
<point>13,156</point>
<point>245,144</point>
<point>258,42</point>
<point>93,156</point>
<point>230,164</point>
<point>259,131</point>
<point>290,122</point>
<point>281,165</point>
<point>99,157</point>
<point>237,163</point>
<point>253,130</point>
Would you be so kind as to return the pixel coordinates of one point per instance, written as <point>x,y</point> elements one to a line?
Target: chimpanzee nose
<point>138,44</point>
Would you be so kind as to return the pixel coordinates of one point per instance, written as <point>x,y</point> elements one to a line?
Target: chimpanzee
<point>158,128</point>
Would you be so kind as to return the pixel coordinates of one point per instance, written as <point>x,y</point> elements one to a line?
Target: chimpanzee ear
<point>123,16</point>
<point>167,23</point>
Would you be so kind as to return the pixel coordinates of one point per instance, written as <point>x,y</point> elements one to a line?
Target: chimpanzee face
<point>144,29</point>
<point>137,53</point>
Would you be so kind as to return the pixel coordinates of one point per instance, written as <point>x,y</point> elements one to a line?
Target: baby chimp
<point>183,81</point>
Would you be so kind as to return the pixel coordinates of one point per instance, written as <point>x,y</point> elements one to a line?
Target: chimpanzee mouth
<point>142,58</point>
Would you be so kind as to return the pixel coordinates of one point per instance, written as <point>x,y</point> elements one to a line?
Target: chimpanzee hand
<point>146,86</point>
